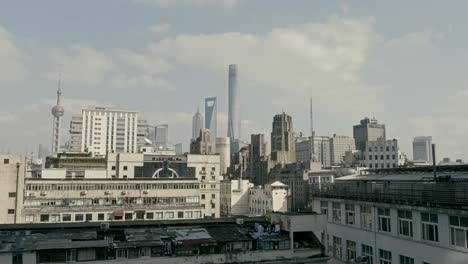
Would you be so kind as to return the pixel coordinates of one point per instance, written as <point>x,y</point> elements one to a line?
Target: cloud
<point>320,59</point>
<point>12,58</point>
<point>200,3</point>
<point>160,28</point>
<point>411,40</point>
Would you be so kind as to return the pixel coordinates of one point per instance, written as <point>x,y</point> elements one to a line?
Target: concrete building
<point>76,128</point>
<point>402,216</point>
<point>235,197</point>
<point>287,238</point>
<point>296,177</point>
<point>383,154</point>
<point>57,112</point>
<point>240,163</point>
<point>211,119</point>
<point>368,130</point>
<point>197,124</point>
<point>178,149</point>
<point>161,135</point>
<point>283,146</point>
<point>234,120</point>
<point>224,151</point>
<point>270,198</point>
<point>12,171</point>
<point>321,147</point>
<point>202,145</point>
<point>338,147</point>
<point>422,149</point>
<point>106,130</point>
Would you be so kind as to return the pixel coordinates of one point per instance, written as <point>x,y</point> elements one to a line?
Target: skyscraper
<point>369,130</point>
<point>257,157</point>
<point>161,135</point>
<point>234,123</point>
<point>283,146</point>
<point>202,145</point>
<point>338,147</point>
<point>57,113</point>
<point>211,119</point>
<point>422,149</point>
<point>197,124</point>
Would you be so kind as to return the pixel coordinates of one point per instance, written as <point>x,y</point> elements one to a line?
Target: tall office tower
<point>76,128</point>
<point>224,149</point>
<point>178,149</point>
<point>57,113</point>
<point>318,152</point>
<point>197,124</point>
<point>257,157</point>
<point>234,122</point>
<point>161,135</point>
<point>211,120</point>
<point>369,130</point>
<point>422,149</point>
<point>202,145</point>
<point>338,147</point>
<point>110,130</point>
<point>283,146</point>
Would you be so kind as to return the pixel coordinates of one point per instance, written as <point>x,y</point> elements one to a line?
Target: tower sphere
<point>58,110</point>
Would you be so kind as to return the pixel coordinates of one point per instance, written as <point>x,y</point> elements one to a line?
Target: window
<point>159,215</point>
<point>203,196</point>
<point>405,223</point>
<point>336,212</point>
<point>6,161</point>
<point>145,252</point>
<point>66,217</point>
<point>29,218</point>
<point>406,260</point>
<point>324,208</point>
<point>44,218</point>
<point>385,257</point>
<point>121,253</point>
<point>350,250</point>
<point>213,206</point>
<point>12,194</point>
<point>337,247</point>
<point>366,216</point>
<point>125,168</point>
<point>79,217</point>
<point>149,215</point>
<point>367,252</point>
<point>11,211</point>
<point>128,216</point>
<point>188,214</point>
<point>429,227</point>
<point>180,214</point>
<point>89,217</point>
<point>384,219</point>
<point>170,215</point>
<point>459,231</point>
<point>100,217</point>
<point>350,214</point>
<point>55,218</point>
<point>113,168</point>
<point>213,196</point>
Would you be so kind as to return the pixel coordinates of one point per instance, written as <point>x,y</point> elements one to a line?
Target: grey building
<point>338,147</point>
<point>211,119</point>
<point>422,149</point>
<point>234,122</point>
<point>321,149</point>
<point>161,135</point>
<point>382,155</point>
<point>283,145</point>
<point>197,124</point>
<point>257,156</point>
<point>202,145</point>
<point>368,130</point>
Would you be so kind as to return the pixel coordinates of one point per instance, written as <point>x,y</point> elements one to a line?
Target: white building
<point>422,149</point>
<point>321,147</point>
<point>126,186</point>
<point>272,198</point>
<point>235,197</point>
<point>223,145</point>
<point>395,218</point>
<point>338,147</point>
<point>106,130</point>
<point>383,154</point>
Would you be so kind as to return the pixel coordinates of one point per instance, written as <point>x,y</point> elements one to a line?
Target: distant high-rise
<point>369,130</point>
<point>257,157</point>
<point>283,146</point>
<point>234,122</point>
<point>422,149</point>
<point>202,145</point>
<point>161,135</point>
<point>211,119</point>
<point>197,124</point>
<point>57,112</point>
<point>178,149</point>
<point>338,147</point>
<point>76,128</point>
<point>223,144</point>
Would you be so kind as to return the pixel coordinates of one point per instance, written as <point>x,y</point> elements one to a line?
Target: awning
<point>119,213</point>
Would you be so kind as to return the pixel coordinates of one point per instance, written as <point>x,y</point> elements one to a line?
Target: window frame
<point>384,220</point>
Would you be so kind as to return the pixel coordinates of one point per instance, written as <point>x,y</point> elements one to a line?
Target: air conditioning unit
<point>32,194</point>
<point>240,221</point>
<point>145,192</point>
<point>213,201</point>
<point>43,193</point>
<point>83,193</point>
<point>123,193</point>
<point>107,193</point>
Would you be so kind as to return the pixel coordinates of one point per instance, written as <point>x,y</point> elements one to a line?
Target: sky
<point>402,62</point>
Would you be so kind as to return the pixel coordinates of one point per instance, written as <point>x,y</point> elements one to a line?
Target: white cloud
<point>320,59</point>
<point>12,58</point>
<point>200,3</point>
<point>160,28</point>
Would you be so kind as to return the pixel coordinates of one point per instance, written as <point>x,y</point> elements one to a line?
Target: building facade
<point>224,151</point>
<point>383,154</point>
<point>211,119</point>
<point>395,218</point>
<point>422,149</point>
<point>270,198</point>
<point>338,147</point>
<point>161,135</point>
<point>283,146</point>
<point>202,145</point>
<point>235,197</point>
<point>197,124</point>
<point>368,130</point>
<point>258,156</point>
<point>322,150</point>
<point>234,121</point>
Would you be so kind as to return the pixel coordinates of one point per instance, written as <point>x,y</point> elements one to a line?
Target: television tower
<point>57,113</point>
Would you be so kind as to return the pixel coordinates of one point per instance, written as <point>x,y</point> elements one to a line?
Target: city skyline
<point>32,65</point>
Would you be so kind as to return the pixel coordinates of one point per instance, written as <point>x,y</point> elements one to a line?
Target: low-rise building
<point>396,216</point>
<point>270,198</point>
<point>382,154</point>
<point>235,197</point>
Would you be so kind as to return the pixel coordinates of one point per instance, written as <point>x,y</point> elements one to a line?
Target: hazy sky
<point>404,62</point>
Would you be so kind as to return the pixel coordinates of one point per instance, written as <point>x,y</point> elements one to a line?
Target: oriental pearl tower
<point>57,113</point>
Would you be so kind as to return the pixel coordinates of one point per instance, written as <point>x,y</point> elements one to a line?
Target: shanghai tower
<point>233,131</point>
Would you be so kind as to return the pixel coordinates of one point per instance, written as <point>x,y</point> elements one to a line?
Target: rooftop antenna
<point>312,132</point>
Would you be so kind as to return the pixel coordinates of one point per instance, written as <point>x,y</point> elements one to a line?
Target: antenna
<point>59,86</point>
<point>312,132</point>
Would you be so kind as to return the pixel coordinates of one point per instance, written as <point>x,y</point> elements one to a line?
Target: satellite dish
<point>148,142</point>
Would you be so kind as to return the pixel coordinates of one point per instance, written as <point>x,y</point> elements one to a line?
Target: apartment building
<point>402,217</point>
